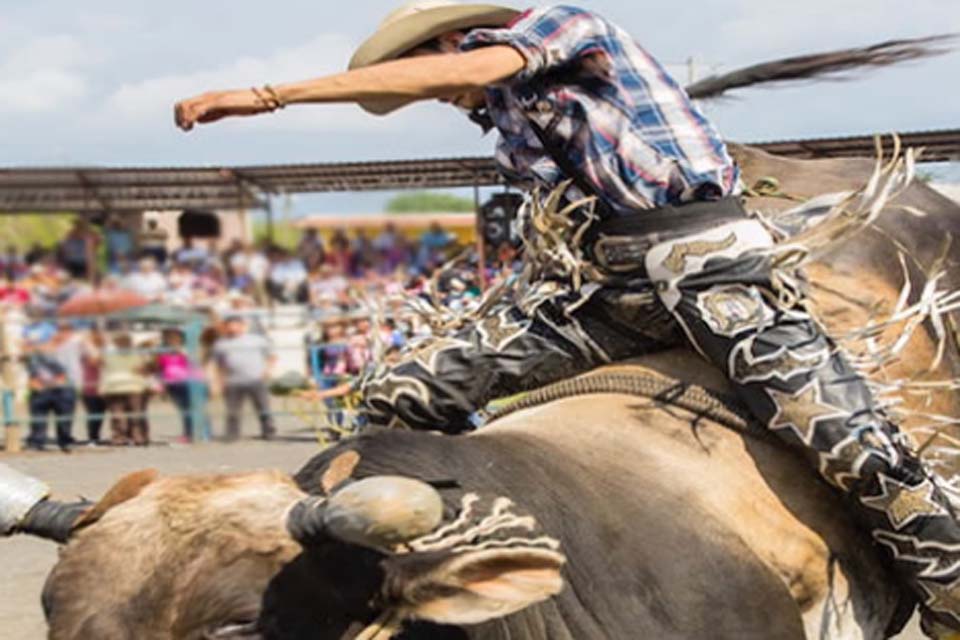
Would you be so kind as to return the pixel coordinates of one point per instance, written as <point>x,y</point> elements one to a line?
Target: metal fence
<point>300,360</point>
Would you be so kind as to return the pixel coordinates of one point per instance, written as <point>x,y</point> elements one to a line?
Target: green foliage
<point>23,230</point>
<point>284,234</point>
<point>428,201</point>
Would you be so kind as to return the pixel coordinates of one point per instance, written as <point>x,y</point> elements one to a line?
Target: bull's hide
<point>858,282</point>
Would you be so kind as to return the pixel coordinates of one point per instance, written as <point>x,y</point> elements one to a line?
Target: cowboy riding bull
<point>653,248</point>
<point>659,530</point>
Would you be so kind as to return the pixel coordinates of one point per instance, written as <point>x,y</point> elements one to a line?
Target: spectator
<point>77,249</point>
<point>326,288</point>
<point>339,255</point>
<point>209,284</point>
<point>147,280</point>
<point>235,249</point>
<point>433,245</point>
<point>358,346</point>
<point>287,279</point>
<point>43,283</point>
<point>255,265</point>
<point>391,249</point>
<point>94,405</point>
<point>12,265</point>
<point>310,249</point>
<point>13,294</point>
<point>118,241</point>
<point>190,253</point>
<point>179,376</point>
<point>122,268</point>
<point>34,254</point>
<point>50,393</point>
<point>362,255</point>
<point>180,284</point>
<point>124,389</point>
<point>392,335</point>
<point>66,347</point>
<point>153,242</point>
<point>244,362</point>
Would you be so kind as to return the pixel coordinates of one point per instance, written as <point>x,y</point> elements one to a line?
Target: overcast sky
<point>93,83</point>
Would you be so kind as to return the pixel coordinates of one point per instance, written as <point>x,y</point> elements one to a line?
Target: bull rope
<point>667,391</point>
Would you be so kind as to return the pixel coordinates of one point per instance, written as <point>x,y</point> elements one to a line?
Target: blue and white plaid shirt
<point>625,123</point>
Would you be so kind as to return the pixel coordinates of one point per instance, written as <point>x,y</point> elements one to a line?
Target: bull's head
<point>252,556</point>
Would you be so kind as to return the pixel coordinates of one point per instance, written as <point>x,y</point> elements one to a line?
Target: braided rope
<point>668,391</point>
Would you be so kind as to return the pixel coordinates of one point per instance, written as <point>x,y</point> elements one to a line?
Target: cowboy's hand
<point>213,106</point>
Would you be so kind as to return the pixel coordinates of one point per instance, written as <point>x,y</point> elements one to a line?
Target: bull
<point>596,544</point>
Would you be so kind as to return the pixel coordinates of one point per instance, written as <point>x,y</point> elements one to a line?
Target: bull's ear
<point>477,586</point>
<point>127,488</point>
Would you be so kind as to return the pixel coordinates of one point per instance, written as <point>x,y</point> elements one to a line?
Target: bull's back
<point>716,519</point>
<point>670,531</point>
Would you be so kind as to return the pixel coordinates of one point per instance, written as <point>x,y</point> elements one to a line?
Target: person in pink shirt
<point>175,370</point>
<point>358,346</point>
<point>13,294</point>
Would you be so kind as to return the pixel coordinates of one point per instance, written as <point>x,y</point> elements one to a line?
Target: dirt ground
<point>24,562</point>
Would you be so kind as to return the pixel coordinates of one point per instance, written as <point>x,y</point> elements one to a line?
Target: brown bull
<point>859,282</point>
<point>741,544</point>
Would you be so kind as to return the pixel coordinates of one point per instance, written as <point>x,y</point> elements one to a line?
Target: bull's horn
<point>24,508</point>
<point>377,512</point>
<point>53,520</point>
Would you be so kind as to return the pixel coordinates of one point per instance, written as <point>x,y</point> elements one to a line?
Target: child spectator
<point>179,376</point>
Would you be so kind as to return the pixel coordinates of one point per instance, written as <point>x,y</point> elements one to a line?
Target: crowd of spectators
<point>114,377</point>
<point>323,275</point>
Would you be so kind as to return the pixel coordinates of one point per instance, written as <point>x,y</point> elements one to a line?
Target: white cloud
<point>43,90</point>
<point>44,73</point>
<point>152,100</point>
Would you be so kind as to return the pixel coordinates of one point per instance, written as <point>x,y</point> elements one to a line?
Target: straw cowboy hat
<point>417,23</point>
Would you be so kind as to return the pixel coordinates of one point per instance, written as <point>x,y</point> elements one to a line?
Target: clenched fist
<point>213,106</point>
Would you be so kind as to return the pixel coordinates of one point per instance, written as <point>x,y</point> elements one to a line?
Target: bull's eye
<point>234,630</point>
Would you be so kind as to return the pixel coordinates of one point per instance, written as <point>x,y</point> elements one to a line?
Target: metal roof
<point>98,189</point>
<point>330,221</point>
<point>939,146</point>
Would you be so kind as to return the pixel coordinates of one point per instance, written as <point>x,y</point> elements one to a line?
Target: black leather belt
<point>621,243</point>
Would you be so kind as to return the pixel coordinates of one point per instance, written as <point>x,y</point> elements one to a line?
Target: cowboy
<point>670,255</point>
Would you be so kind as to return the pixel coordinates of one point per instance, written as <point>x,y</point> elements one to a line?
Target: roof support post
<point>270,220</point>
<point>481,243</point>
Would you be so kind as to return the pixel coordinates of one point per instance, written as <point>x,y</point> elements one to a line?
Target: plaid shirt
<point>629,128</point>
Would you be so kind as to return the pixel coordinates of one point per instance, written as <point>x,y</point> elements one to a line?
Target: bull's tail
<point>832,64</point>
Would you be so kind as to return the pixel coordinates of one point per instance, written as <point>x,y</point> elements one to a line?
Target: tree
<point>428,201</point>
<point>23,230</point>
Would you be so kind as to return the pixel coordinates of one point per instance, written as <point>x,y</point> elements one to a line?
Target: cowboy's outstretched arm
<point>416,78</point>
